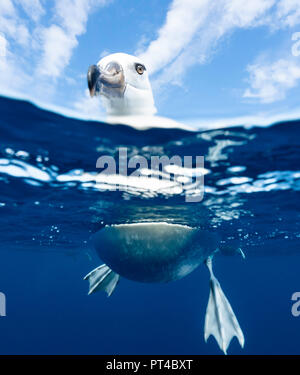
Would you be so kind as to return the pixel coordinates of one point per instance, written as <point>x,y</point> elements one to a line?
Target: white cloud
<point>11,24</point>
<point>270,81</point>
<point>60,38</point>
<point>182,21</point>
<point>33,8</point>
<point>13,31</point>
<point>192,30</point>
<point>88,107</point>
<point>7,7</point>
<point>245,13</point>
<point>288,12</point>
<point>12,78</point>
<point>3,46</point>
<point>57,50</point>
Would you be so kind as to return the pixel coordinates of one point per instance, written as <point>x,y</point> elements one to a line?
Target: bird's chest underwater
<point>153,252</point>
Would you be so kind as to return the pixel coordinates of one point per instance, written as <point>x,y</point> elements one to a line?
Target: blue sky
<point>209,60</point>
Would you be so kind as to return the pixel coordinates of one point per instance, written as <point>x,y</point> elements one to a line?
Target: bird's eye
<point>140,68</point>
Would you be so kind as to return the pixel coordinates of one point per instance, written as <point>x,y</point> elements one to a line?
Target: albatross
<point>154,252</point>
<point>122,82</point>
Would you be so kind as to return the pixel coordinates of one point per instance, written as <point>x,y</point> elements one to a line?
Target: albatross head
<point>123,84</point>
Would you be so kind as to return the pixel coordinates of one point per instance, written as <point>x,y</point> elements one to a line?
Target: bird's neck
<point>135,102</point>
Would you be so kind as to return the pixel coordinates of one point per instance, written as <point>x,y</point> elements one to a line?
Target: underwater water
<point>52,202</point>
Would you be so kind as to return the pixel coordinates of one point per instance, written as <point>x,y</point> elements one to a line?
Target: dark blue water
<point>51,203</point>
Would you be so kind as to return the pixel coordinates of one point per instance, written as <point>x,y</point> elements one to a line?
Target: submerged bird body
<point>161,252</point>
<point>153,252</point>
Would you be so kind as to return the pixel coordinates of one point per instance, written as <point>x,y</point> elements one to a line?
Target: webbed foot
<point>102,278</point>
<point>220,320</point>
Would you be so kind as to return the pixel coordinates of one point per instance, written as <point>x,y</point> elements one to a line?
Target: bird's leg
<point>220,320</point>
<point>102,278</point>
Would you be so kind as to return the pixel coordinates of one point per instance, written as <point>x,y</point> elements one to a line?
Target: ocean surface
<point>52,200</point>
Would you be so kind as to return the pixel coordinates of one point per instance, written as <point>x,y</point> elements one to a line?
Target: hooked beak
<point>109,82</point>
